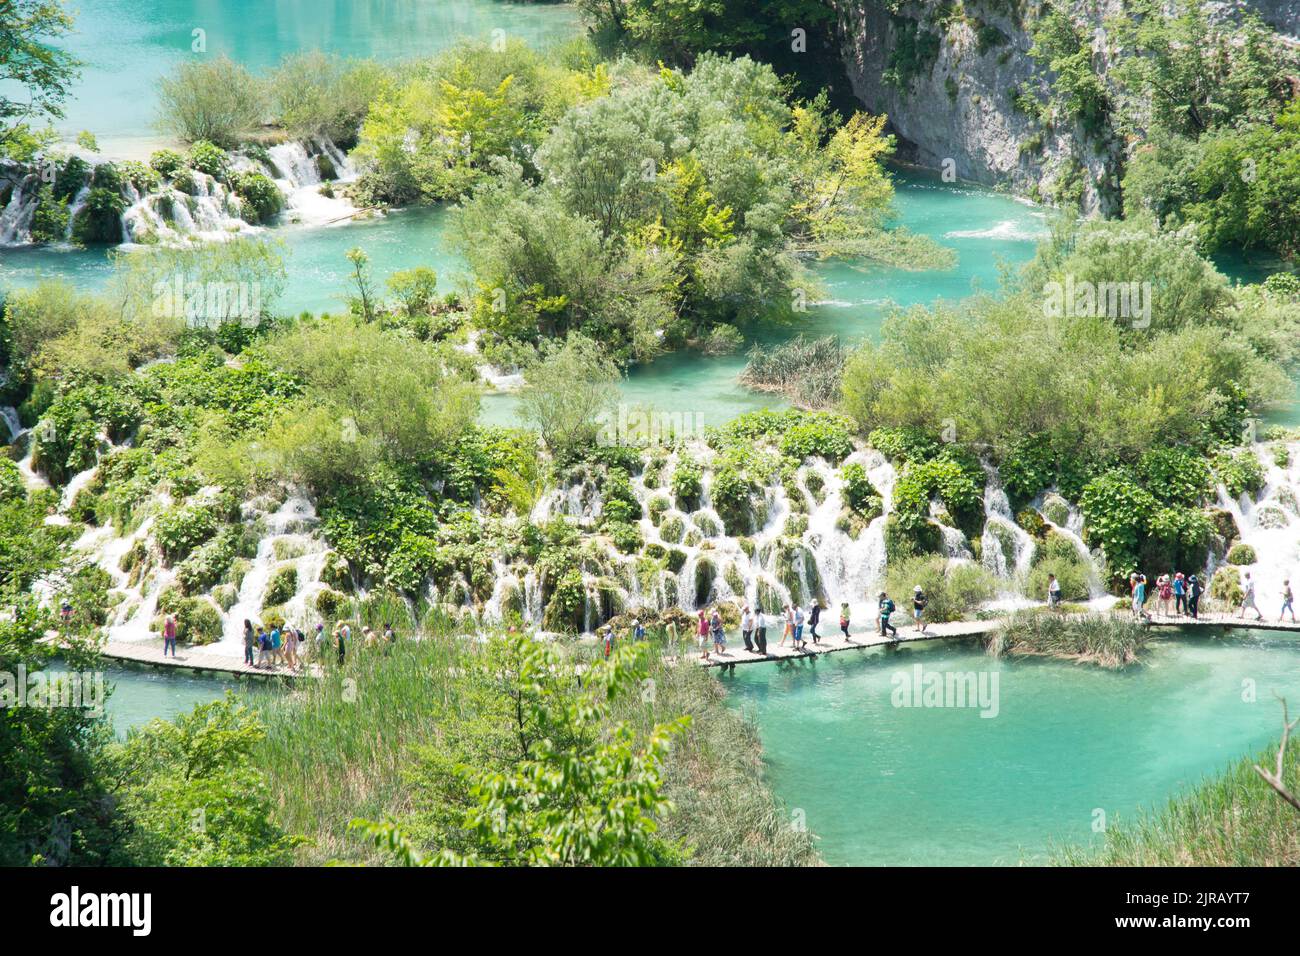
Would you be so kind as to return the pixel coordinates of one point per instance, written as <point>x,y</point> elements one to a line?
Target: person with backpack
<point>1194,589</point>
<point>169,635</point>
<point>886,605</point>
<point>1180,593</point>
<point>1053,591</point>
<point>1165,592</point>
<point>263,645</point>
<point>918,609</point>
<point>814,616</point>
<point>638,630</point>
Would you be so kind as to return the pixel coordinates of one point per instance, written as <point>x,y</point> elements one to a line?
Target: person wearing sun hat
<point>918,609</point>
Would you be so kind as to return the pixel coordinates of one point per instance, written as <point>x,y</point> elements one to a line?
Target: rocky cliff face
<point>952,77</point>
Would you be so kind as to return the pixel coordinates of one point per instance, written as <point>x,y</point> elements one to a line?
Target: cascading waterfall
<point>1003,535</point>
<point>1270,524</point>
<point>296,170</point>
<point>16,216</point>
<point>1051,507</point>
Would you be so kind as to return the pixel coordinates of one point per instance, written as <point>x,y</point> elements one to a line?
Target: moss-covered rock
<point>282,586</point>
<point>1241,554</point>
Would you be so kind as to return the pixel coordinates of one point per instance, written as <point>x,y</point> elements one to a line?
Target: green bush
<point>182,528</point>
<point>209,158</point>
<point>1240,473</point>
<point>282,586</point>
<point>731,494</point>
<point>1241,554</point>
<point>332,604</point>
<point>168,162</point>
<point>687,483</point>
<point>952,589</point>
<point>859,493</point>
<point>260,195</point>
<point>819,433</point>
<point>903,444</point>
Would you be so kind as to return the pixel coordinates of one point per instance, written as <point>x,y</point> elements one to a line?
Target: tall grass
<point>807,372</point>
<point>1103,639</point>
<point>1232,819</point>
<point>345,746</point>
<point>724,811</point>
<point>335,748</point>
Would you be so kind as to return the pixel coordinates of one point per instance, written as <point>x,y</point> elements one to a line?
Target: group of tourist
<point>1180,595</point>
<point>797,626</point>
<point>283,646</point>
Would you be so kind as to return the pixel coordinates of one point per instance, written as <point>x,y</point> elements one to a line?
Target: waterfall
<point>1001,532</point>
<point>1270,524</point>
<point>1072,531</point>
<point>296,172</point>
<point>16,217</point>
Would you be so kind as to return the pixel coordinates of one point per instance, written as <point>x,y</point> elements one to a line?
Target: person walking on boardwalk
<point>1287,598</point>
<point>918,609</point>
<point>761,620</point>
<point>1248,598</point>
<point>702,631</point>
<point>342,634</point>
<point>886,608</point>
<point>277,645</point>
<point>1180,593</point>
<point>719,638</point>
<point>1053,591</point>
<point>787,625</point>
<point>1139,586</point>
<point>250,641</point>
<point>1165,591</point>
<point>799,642</point>
<point>263,646</point>
<point>291,646</point>
<point>169,634</point>
<point>844,619</point>
<point>814,616</point>
<point>1194,589</point>
<point>747,628</point>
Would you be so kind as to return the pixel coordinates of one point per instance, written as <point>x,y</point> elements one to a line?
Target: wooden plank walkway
<point>204,660</point>
<point>198,659</point>
<point>953,630</point>
<point>832,643</point>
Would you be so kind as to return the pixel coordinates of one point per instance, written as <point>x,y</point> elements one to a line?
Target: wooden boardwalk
<point>832,643</point>
<point>198,659</point>
<point>205,660</point>
<point>953,630</point>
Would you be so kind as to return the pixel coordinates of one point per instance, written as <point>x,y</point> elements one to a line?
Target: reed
<point>1105,640</point>
<point>806,371</point>
<point>1232,819</point>
<point>345,746</point>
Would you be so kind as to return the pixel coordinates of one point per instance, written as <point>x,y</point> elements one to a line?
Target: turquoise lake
<point>887,785</point>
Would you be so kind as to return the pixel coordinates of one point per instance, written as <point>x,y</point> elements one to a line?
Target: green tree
<point>35,73</point>
<point>568,393</point>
